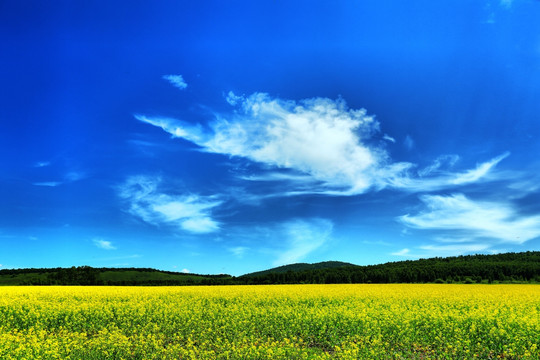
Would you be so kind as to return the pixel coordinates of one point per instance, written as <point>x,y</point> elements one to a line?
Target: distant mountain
<point>521,267</point>
<point>300,267</point>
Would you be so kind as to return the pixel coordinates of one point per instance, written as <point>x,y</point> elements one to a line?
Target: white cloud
<point>402,252</point>
<point>302,238</point>
<point>48,183</point>
<point>318,137</point>
<point>185,271</point>
<point>442,179</point>
<point>233,99</point>
<point>190,212</point>
<point>238,251</point>
<point>104,244</point>
<point>389,138</point>
<point>74,176</point>
<point>42,164</point>
<point>320,145</point>
<point>460,216</point>
<point>448,160</point>
<point>456,249</point>
<point>69,177</point>
<point>176,81</point>
<point>462,247</point>
<point>175,127</point>
<point>480,171</point>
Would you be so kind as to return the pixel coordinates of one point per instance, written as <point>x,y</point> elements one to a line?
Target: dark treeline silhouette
<point>86,275</point>
<point>508,267</point>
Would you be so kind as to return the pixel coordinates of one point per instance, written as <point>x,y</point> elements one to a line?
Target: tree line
<point>508,267</point>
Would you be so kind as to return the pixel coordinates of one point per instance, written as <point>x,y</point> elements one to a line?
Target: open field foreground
<point>271,322</point>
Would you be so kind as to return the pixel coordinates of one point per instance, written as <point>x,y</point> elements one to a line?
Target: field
<point>271,322</point>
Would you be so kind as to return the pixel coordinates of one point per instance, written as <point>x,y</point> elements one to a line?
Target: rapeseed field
<point>271,322</point>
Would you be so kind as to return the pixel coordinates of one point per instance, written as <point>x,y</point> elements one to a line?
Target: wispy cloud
<point>103,244</point>
<point>438,164</point>
<point>408,142</point>
<point>190,212</point>
<point>176,81</point>
<point>432,179</point>
<point>233,99</point>
<point>480,221</point>
<point>389,138</point>
<point>48,183</point>
<point>74,176</point>
<point>302,238</point>
<point>325,146</point>
<point>176,128</point>
<point>319,137</point>
<point>402,252</point>
<point>456,249</point>
<point>429,251</point>
<point>480,171</point>
<point>42,164</point>
<point>238,251</point>
<point>68,177</point>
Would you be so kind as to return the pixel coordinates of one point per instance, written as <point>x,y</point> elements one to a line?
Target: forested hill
<point>508,267</point>
<point>300,267</point>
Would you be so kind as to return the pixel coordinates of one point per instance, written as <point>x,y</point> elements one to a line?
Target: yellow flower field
<point>271,322</point>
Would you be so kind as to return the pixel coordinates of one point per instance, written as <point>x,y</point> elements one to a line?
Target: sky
<point>230,137</point>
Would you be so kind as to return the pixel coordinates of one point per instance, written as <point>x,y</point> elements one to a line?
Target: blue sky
<point>230,137</point>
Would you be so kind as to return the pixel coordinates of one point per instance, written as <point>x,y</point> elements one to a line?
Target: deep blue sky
<point>230,137</point>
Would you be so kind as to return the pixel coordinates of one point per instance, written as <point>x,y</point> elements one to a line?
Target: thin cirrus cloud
<point>448,160</point>
<point>389,138</point>
<point>40,164</point>
<point>104,244</point>
<point>403,252</point>
<point>48,183</point>
<point>176,81</point>
<point>191,212</point>
<point>69,177</point>
<point>238,251</point>
<point>426,251</point>
<point>333,146</point>
<point>408,142</point>
<point>444,179</point>
<point>303,237</point>
<point>478,221</point>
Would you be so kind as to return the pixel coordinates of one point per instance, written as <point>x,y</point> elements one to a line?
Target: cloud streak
<point>461,217</point>
<point>302,238</point>
<point>69,177</point>
<point>176,81</point>
<point>440,180</point>
<point>190,212</point>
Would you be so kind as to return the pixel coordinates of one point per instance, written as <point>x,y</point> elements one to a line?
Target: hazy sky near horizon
<point>230,137</point>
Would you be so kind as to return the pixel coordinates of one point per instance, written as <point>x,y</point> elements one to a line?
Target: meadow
<point>394,321</point>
